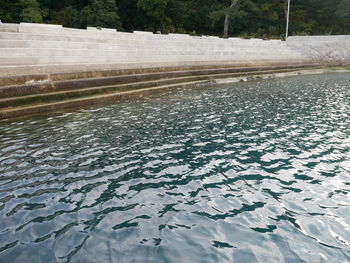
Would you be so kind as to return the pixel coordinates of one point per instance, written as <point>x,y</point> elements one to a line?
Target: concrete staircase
<point>34,44</point>
<point>34,98</point>
<point>48,67</point>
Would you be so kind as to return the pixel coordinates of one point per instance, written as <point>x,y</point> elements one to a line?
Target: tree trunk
<point>227,24</point>
<point>227,18</point>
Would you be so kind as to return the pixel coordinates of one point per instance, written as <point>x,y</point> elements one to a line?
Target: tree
<point>103,13</point>
<point>234,3</point>
<point>245,18</point>
<point>238,8</point>
<point>155,12</point>
<point>67,16</point>
<point>196,16</point>
<point>128,14</point>
<point>343,9</point>
<point>176,11</point>
<point>10,11</point>
<point>32,12</point>
<point>227,13</point>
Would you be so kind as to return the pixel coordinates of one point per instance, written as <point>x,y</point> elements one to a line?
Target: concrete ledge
<point>68,81</point>
<point>43,28</point>
<point>139,67</point>
<point>101,29</point>
<point>114,93</point>
<point>9,27</point>
<point>143,33</point>
<point>87,102</point>
<point>23,75</point>
<point>319,39</point>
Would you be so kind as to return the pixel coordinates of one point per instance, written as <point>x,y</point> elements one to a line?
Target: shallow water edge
<point>255,171</point>
<point>134,90</point>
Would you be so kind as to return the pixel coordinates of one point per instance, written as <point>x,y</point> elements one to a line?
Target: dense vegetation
<point>253,18</point>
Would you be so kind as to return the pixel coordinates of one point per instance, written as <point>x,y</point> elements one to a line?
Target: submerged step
<point>85,101</point>
<point>127,59</point>
<point>16,105</point>
<point>38,83</point>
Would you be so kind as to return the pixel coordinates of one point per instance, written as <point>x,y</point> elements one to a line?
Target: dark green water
<point>248,172</point>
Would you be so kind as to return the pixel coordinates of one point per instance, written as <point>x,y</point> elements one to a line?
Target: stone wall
<point>36,47</point>
<point>327,50</point>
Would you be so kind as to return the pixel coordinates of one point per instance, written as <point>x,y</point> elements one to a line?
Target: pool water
<point>247,172</point>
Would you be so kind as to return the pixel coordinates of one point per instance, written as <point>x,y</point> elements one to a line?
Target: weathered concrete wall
<point>31,47</point>
<point>36,48</point>
<point>48,67</point>
<point>328,50</point>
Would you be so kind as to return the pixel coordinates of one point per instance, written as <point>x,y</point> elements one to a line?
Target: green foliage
<point>103,13</point>
<point>234,12</point>
<point>238,10</point>
<point>343,9</point>
<point>154,12</point>
<point>258,18</point>
<point>153,8</point>
<point>67,16</point>
<point>32,12</point>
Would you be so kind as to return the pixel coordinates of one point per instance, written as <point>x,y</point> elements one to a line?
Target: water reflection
<point>250,172</point>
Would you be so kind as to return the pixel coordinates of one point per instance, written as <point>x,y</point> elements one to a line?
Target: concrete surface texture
<point>45,68</point>
<point>327,50</point>
<point>37,48</point>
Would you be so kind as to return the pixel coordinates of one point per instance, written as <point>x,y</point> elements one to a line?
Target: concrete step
<point>49,108</point>
<point>57,52</point>
<point>8,27</point>
<point>319,39</point>
<point>17,61</point>
<point>107,46</point>
<point>11,36</point>
<point>66,44</point>
<point>41,83</point>
<point>74,93</point>
<point>128,40</point>
<point>85,70</point>
<point>6,43</point>
<point>135,58</point>
<point>8,48</point>
<point>7,52</point>
<point>57,30</point>
<point>125,59</point>
<point>123,38</point>
<point>58,60</point>
<point>73,38</point>
<point>15,106</point>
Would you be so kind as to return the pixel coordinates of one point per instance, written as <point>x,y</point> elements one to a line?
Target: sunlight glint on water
<point>248,172</point>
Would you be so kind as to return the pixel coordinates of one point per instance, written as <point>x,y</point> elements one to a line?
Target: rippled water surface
<point>247,172</point>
